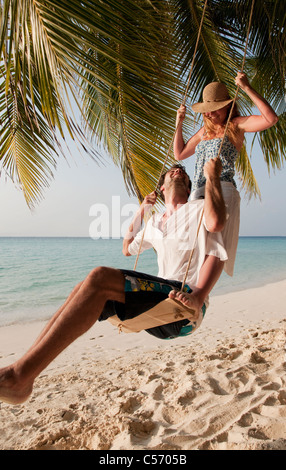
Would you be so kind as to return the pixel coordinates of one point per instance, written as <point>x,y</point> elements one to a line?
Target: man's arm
<point>214,208</point>
<point>136,223</point>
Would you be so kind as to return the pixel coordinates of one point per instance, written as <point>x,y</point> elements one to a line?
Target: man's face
<point>177,177</point>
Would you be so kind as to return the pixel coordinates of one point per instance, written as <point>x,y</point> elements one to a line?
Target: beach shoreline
<point>223,388</point>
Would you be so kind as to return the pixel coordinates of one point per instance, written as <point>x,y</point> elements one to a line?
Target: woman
<point>205,144</point>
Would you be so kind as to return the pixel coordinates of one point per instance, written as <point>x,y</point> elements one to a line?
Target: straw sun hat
<point>215,96</point>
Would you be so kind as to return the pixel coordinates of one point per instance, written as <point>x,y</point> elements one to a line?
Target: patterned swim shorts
<point>143,292</point>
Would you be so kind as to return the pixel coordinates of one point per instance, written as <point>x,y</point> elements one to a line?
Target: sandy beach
<point>223,388</point>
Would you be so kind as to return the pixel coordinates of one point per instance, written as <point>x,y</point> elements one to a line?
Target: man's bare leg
<point>56,315</point>
<point>78,314</point>
<point>209,275</point>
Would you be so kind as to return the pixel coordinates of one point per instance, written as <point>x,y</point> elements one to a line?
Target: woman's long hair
<point>232,130</point>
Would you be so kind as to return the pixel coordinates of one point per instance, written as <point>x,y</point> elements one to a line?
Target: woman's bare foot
<point>191,300</point>
<point>12,390</point>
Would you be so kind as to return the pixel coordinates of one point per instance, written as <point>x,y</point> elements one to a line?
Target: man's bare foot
<point>12,391</point>
<point>191,300</point>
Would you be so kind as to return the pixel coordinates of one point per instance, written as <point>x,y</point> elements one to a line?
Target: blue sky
<point>65,209</point>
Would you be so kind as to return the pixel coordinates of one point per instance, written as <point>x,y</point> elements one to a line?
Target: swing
<point>170,310</point>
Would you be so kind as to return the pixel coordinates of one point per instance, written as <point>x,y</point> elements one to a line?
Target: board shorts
<point>143,292</point>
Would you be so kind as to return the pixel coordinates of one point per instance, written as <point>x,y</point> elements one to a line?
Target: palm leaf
<point>135,118</point>
<point>272,142</point>
<point>124,65</point>
<point>25,148</point>
<point>96,52</point>
<point>216,58</point>
<point>248,181</point>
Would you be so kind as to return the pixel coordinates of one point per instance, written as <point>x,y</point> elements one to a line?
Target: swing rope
<point>242,67</point>
<point>173,138</point>
<point>223,138</point>
<point>222,141</point>
<point>187,86</point>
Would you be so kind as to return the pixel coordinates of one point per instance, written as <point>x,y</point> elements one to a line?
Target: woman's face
<point>219,116</point>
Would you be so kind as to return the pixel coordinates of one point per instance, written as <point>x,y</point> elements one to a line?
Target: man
<point>106,291</point>
<point>170,235</point>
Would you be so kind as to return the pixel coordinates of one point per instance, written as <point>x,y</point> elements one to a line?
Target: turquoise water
<point>37,274</point>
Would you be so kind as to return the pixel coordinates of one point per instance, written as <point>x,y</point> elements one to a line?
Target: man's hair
<point>162,178</point>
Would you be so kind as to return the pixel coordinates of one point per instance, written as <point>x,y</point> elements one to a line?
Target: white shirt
<point>175,240</point>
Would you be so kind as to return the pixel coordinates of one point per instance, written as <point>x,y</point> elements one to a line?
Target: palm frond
<point>273,145</point>
<point>135,118</point>
<point>247,179</point>
<point>26,149</point>
<point>217,57</point>
<point>123,64</point>
<point>108,56</point>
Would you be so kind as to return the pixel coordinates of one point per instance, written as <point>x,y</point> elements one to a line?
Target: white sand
<point>224,387</point>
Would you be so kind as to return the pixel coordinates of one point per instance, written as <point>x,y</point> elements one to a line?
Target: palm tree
<point>112,73</point>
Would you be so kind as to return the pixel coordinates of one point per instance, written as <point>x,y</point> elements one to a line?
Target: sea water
<point>37,274</point>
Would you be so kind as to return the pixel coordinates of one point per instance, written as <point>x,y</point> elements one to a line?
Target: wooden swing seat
<point>167,311</point>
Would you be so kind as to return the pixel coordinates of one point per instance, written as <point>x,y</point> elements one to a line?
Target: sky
<point>86,199</point>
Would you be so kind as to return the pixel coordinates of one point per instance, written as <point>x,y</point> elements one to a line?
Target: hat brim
<point>209,106</point>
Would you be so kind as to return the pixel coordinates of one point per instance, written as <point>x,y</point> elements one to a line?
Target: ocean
<point>37,274</point>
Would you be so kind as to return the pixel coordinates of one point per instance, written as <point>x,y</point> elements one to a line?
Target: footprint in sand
<point>171,415</point>
<point>187,398</point>
<point>131,404</point>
